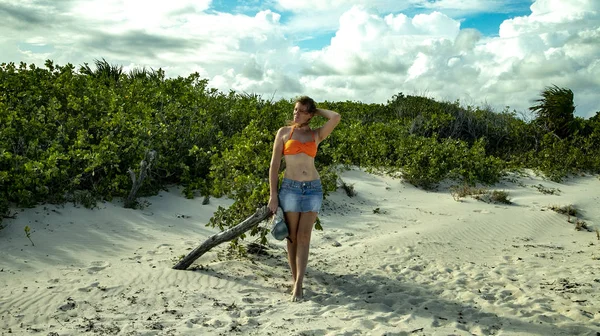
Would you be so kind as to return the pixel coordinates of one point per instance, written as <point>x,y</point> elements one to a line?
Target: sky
<point>499,54</point>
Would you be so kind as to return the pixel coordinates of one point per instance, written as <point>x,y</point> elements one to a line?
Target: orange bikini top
<point>293,147</point>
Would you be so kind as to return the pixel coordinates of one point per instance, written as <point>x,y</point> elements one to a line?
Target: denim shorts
<point>300,196</point>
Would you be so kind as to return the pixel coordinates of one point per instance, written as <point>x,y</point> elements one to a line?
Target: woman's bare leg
<point>303,234</point>
<point>291,218</point>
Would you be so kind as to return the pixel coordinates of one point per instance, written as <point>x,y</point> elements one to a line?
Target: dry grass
<point>348,188</point>
<point>547,191</point>
<point>581,225</point>
<point>500,196</point>
<point>568,210</point>
<point>461,191</point>
<point>480,194</point>
<point>571,211</point>
<point>494,196</point>
<point>378,211</point>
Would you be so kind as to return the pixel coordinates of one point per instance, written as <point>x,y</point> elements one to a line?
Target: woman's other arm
<point>274,171</point>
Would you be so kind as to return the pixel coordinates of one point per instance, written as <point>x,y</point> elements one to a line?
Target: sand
<point>393,260</point>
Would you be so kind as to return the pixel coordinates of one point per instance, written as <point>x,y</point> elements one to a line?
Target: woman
<point>301,194</point>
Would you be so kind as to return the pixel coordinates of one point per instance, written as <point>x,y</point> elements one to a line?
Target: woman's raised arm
<point>333,120</point>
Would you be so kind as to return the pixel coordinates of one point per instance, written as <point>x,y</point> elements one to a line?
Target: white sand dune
<point>394,260</point>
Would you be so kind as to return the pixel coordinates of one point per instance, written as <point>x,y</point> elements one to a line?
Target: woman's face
<point>301,114</point>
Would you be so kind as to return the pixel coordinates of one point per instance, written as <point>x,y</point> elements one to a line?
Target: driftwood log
<point>250,222</point>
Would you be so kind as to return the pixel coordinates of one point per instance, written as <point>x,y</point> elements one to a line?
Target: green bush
<point>72,135</point>
<point>430,161</point>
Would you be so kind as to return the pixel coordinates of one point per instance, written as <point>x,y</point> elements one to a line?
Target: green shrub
<point>431,161</point>
<point>72,135</point>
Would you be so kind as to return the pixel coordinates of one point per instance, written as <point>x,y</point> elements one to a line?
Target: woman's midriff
<point>300,167</point>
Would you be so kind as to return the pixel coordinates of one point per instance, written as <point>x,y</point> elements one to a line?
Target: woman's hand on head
<point>273,204</point>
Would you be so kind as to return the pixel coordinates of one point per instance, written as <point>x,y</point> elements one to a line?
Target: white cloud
<point>368,43</point>
<point>419,66</point>
<point>468,7</point>
<point>342,5</point>
<point>394,51</point>
<point>428,54</point>
<point>557,11</point>
<point>386,6</point>
<point>375,53</point>
<point>312,16</point>
<point>135,14</point>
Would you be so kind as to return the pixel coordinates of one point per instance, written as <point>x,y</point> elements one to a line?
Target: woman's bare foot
<point>297,294</point>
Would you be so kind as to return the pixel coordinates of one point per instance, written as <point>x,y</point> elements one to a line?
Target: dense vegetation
<point>72,134</point>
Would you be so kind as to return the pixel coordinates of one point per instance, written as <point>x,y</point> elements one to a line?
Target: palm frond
<point>554,110</point>
<point>104,70</point>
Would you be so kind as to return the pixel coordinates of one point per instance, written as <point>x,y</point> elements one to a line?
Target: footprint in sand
<point>417,268</point>
<point>416,301</point>
<point>136,258</point>
<point>215,323</point>
<point>97,266</point>
<point>71,304</point>
<point>160,248</point>
<point>90,287</point>
<point>252,312</point>
<point>247,291</point>
<point>368,325</point>
<point>392,268</point>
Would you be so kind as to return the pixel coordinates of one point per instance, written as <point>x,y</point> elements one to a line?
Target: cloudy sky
<point>483,52</point>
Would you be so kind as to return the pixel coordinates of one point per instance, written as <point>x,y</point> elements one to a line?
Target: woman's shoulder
<point>283,132</point>
<point>284,129</point>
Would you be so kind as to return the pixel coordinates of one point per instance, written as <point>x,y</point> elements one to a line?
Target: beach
<point>392,260</point>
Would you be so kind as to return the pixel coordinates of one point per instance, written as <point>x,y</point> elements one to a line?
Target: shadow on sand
<point>381,299</point>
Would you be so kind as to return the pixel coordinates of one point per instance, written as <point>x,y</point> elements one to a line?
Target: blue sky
<point>487,23</point>
<point>496,53</point>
